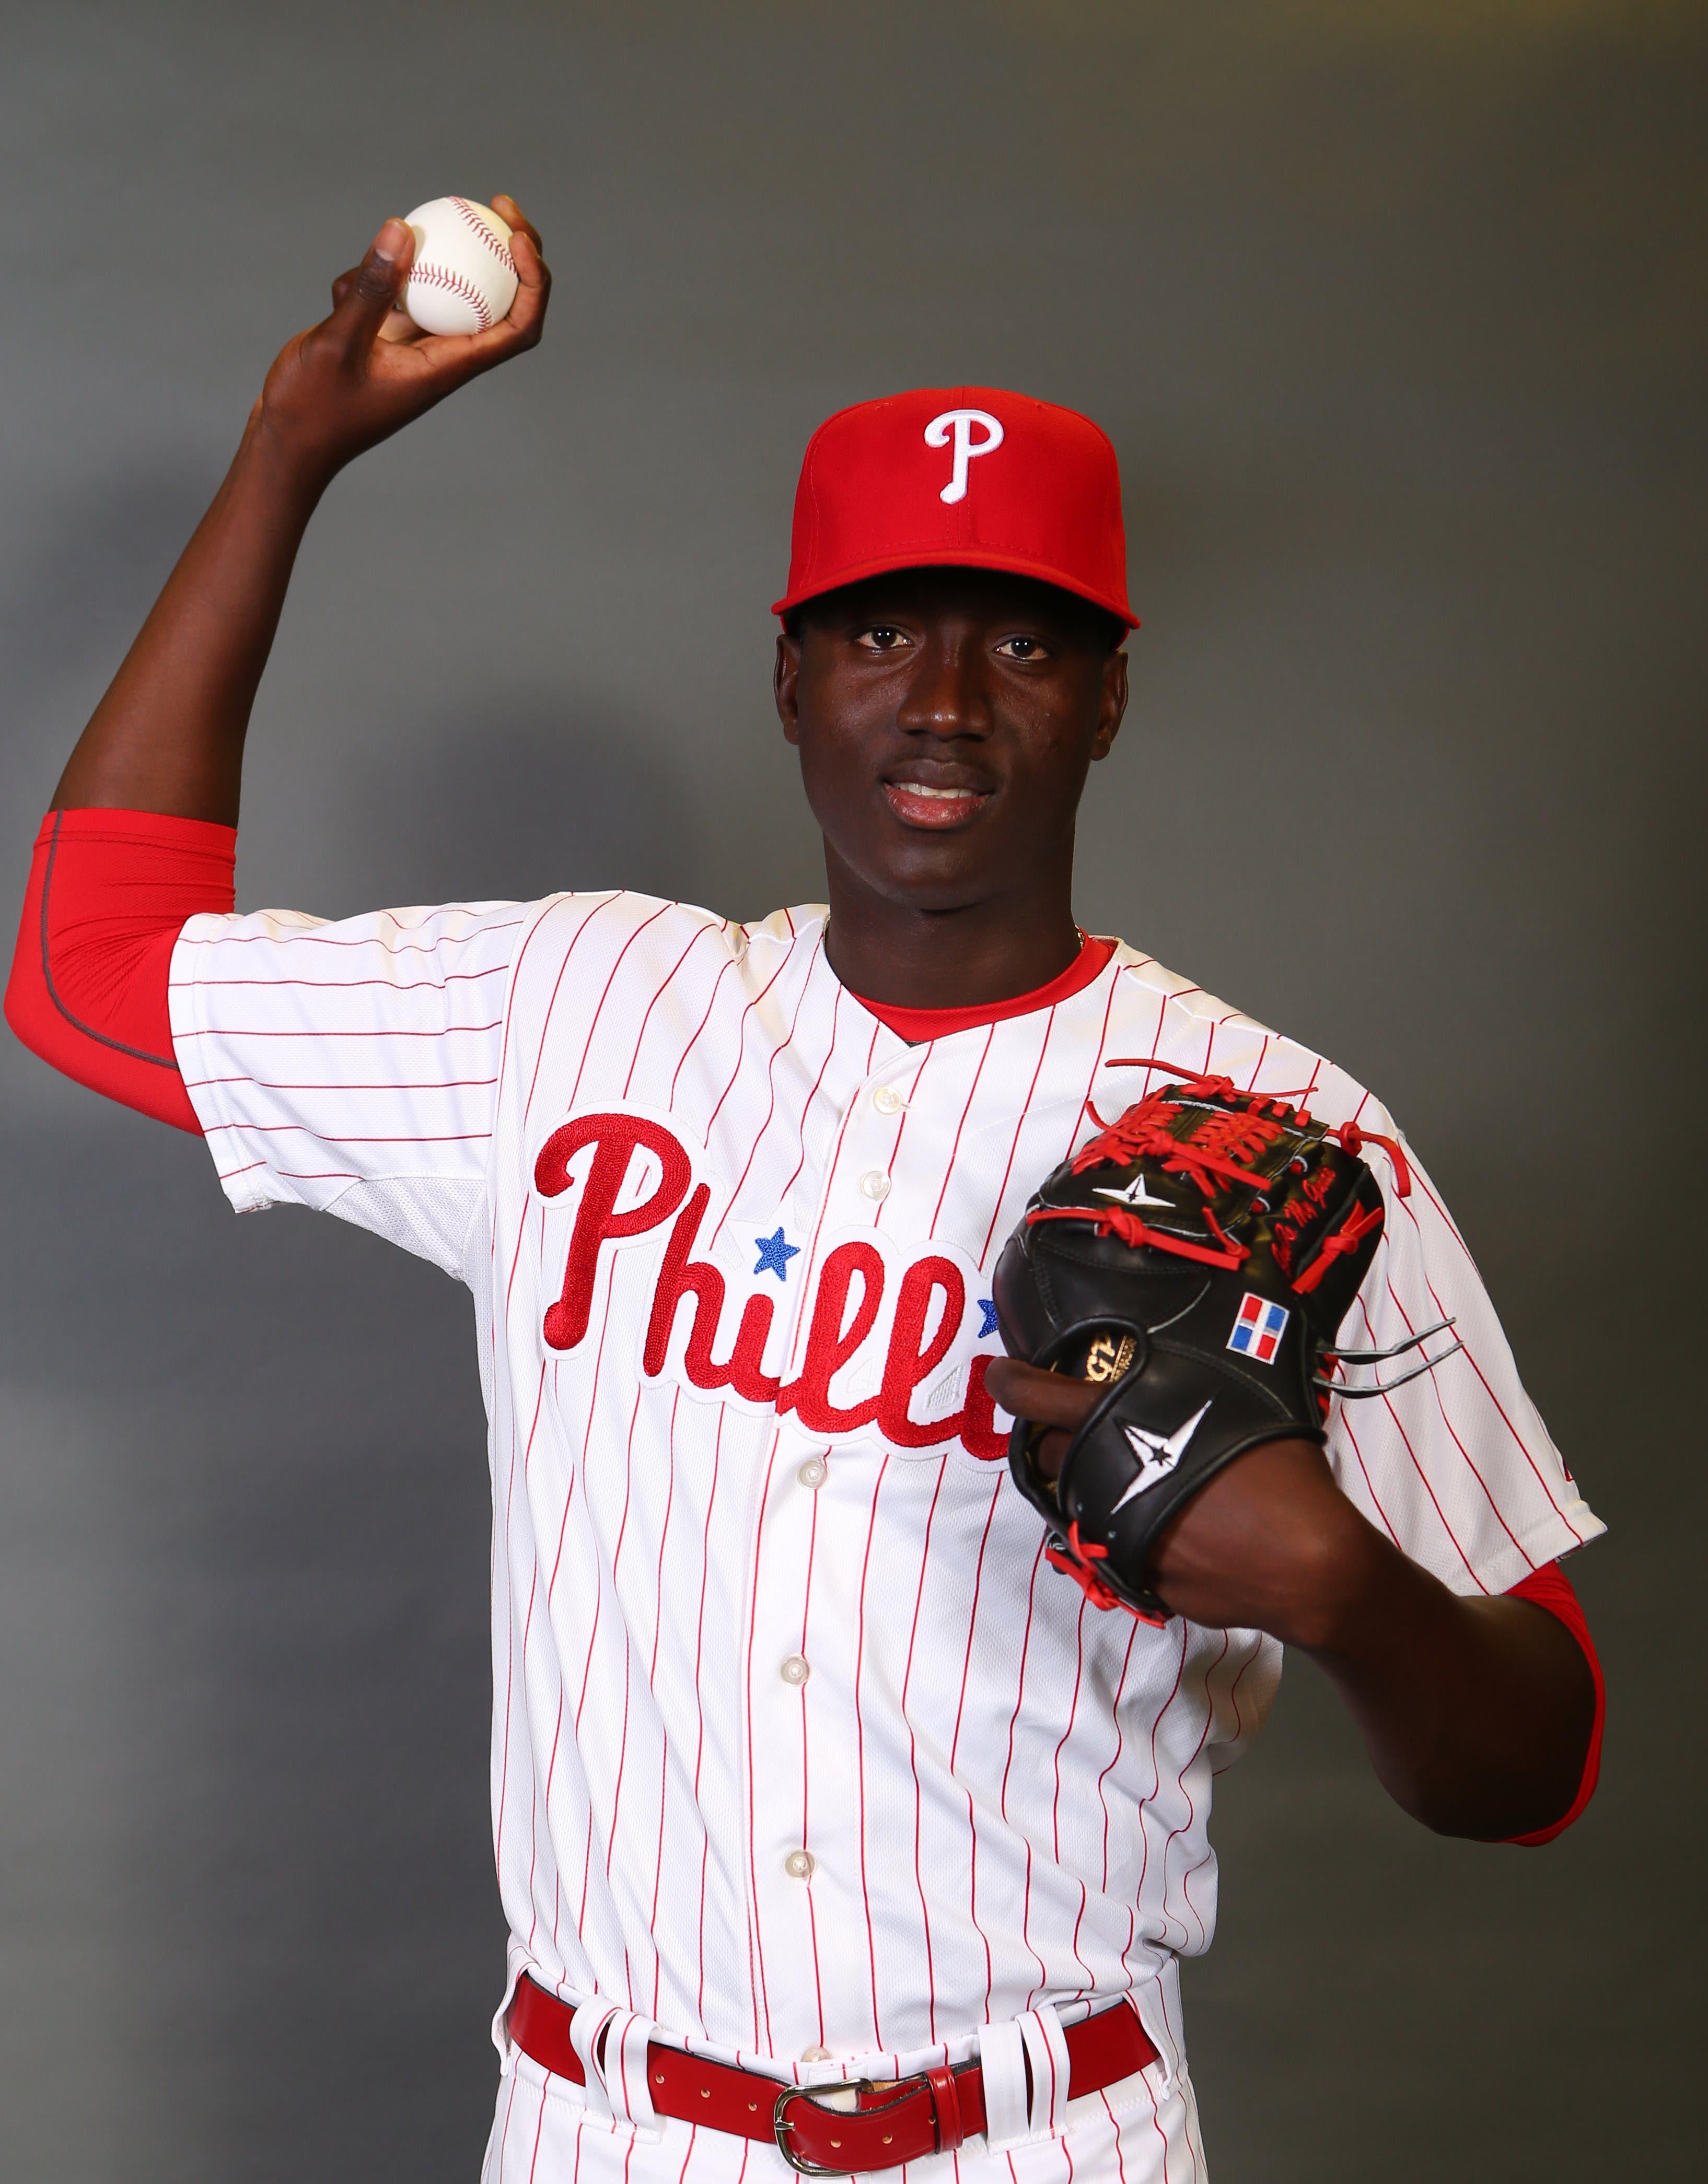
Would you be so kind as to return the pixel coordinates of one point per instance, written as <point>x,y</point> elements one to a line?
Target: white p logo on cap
<point>959,423</point>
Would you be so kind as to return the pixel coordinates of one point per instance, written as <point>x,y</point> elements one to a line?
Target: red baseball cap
<point>966,477</point>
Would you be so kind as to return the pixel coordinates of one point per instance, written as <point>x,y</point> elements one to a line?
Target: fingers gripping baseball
<point>364,296</point>
<point>346,384</point>
<point>521,327</point>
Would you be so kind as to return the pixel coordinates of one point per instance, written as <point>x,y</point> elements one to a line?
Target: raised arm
<point>168,736</point>
<point>139,839</point>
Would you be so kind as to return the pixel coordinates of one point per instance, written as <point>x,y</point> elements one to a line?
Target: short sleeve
<point>1456,1467</point>
<point>350,1067</point>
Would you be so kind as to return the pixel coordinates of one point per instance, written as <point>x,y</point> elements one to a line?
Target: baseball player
<point>846,1817</point>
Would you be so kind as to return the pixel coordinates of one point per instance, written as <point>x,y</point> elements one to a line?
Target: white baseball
<point>463,279</point>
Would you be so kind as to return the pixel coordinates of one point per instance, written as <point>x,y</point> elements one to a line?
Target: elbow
<point>88,991</point>
<point>1531,1785</point>
<point>30,1022</point>
<point>1574,1783</point>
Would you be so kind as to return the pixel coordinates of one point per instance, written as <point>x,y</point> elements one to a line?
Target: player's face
<point>945,720</point>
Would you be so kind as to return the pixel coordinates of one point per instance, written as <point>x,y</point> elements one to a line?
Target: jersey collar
<point>917,1025</point>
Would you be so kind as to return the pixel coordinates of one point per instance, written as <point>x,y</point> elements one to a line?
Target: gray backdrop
<point>1395,312</point>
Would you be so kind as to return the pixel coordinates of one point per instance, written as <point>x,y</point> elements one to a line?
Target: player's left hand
<point>1270,1543</point>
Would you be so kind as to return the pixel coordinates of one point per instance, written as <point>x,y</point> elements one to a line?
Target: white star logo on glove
<point>1134,1194</point>
<point>1158,1455</point>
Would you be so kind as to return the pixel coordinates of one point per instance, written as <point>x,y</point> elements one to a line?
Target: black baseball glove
<point>1196,1260</point>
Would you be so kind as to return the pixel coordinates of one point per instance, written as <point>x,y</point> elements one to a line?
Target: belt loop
<point>1047,2052</point>
<point>630,2092</point>
<point>586,2026</point>
<point>945,2105</point>
<point>610,2044</point>
<point>1003,2065</point>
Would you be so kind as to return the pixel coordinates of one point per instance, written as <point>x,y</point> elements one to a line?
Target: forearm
<point>1476,1714</point>
<point>168,736</point>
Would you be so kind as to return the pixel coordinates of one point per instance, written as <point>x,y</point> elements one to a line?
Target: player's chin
<point>936,878</point>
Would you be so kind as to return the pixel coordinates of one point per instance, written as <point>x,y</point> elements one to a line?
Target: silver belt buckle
<point>835,2100</point>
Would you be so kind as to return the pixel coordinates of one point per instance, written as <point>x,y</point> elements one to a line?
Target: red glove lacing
<point>1219,1142</point>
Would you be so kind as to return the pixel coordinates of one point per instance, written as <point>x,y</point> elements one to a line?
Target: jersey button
<point>888,1100</point>
<point>814,1473</point>
<point>874,1184</point>
<point>799,1865</point>
<point>815,2055</point>
<point>795,1669</point>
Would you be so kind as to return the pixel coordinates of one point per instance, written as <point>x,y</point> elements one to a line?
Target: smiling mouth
<point>918,803</point>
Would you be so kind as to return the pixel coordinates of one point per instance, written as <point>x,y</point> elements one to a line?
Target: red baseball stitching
<point>441,277</point>
<point>499,249</point>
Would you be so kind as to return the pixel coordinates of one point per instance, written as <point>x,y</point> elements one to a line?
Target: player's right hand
<point>338,388</point>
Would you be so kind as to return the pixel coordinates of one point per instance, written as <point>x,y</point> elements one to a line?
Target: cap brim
<point>1011,564</point>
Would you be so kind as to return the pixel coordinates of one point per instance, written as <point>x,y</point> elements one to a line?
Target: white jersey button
<point>875,1184</point>
<point>799,1865</point>
<point>815,2055</point>
<point>795,1669</point>
<point>814,1473</point>
<point>888,1100</point>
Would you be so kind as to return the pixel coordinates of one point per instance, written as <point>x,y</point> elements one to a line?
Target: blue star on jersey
<point>988,1307</point>
<point>774,1255</point>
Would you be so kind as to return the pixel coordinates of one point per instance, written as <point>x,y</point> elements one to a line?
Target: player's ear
<point>1112,703</point>
<point>785,684</point>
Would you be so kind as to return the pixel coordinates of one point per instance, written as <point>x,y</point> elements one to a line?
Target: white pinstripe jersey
<point>798,1744</point>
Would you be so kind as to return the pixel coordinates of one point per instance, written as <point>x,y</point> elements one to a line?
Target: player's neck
<point>944,959</point>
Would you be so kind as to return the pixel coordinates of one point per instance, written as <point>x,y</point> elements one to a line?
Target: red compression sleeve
<point>1549,1587</point>
<point>109,894</point>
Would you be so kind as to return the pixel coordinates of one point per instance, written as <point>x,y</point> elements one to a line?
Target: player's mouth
<point>917,803</point>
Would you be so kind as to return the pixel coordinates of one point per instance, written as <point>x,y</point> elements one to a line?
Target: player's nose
<point>946,693</point>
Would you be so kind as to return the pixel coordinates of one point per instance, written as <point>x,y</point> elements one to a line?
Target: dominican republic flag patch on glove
<point>1259,1328</point>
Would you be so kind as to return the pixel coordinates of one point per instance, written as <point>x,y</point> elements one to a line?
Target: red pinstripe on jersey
<point>1004,1792</point>
<point>865,1839</point>
<point>1014,1141</point>
<point>955,1742</point>
<point>652,1675</point>
<point>1494,1396</point>
<point>762,2013</point>
<point>805,1760</point>
<point>1038,1566</point>
<point>583,924</point>
<point>960,1130</point>
<point>1423,1478</point>
<point>699,1729</point>
<point>770,1108</point>
<point>913,1755</point>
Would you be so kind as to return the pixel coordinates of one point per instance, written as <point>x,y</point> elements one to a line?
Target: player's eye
<point>881,637</point>
<point>1023,648</point>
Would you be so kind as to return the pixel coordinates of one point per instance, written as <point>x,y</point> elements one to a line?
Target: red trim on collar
<point>917,1025</point>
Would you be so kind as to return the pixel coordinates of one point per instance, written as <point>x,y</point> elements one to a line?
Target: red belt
<point>891,2120</point>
